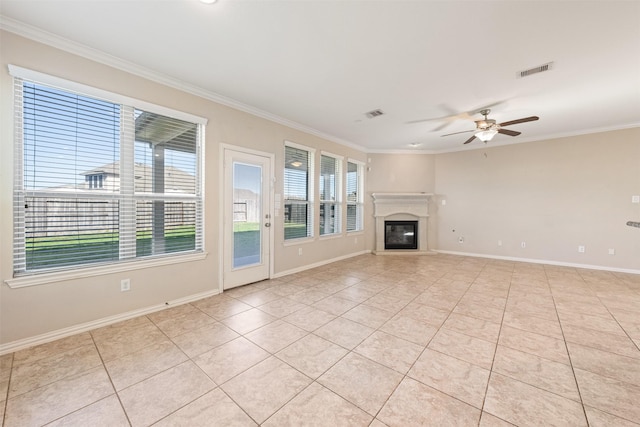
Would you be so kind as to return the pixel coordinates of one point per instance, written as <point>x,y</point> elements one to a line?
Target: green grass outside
<point>245,226</point>
<point>59,251</point>
<point>294,230</point>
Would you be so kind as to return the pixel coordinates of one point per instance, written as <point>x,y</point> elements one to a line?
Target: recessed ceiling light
<point>208,1</point>
<point>415,144</point>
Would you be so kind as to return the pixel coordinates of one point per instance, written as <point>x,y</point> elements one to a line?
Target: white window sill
<point>80,273</point>
<point>331,236</point>
<point>300,241</point>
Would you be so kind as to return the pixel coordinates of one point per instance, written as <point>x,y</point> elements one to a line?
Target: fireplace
<point>400,235</point>
<point>401,223</point>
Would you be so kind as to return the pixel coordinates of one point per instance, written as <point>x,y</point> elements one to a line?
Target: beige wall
<point>400,173</point>
<point>31,311</point>
<point>554,195</point>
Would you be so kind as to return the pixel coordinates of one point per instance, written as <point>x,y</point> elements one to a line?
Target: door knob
<point>267,224</point>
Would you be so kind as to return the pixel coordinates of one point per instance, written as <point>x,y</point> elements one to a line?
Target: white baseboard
<point>319,264</point>
<point>99,323</point>
<point>543,261</point>
<point>88,326</point>
<point>84,327</point>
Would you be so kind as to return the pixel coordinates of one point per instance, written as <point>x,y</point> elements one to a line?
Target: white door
<point>247,217</point>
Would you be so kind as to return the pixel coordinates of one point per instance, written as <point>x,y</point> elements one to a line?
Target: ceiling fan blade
<point>453,115</point>
<point>443,125</point>
<point>509,132</point>
<point>515,122</point>
<point>455,133</point>
<point>449,120</point>
<point>411,122</point>
<point>470,139</point>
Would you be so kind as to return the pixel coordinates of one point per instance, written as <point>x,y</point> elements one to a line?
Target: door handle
<point>267,224</point>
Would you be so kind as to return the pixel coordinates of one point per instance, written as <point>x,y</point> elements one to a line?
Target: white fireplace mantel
<point>401,206</point>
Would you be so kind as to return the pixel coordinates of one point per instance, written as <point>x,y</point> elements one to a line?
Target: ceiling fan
<point>488,128</point>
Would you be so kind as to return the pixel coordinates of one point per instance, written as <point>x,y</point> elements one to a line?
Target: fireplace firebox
<point>400,235</point>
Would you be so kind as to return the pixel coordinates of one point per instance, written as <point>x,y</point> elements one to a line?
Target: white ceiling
<point>319,65</point>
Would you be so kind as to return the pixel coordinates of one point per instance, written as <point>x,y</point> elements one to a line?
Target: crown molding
<point>548,137</point>
<point>55,41</point>
<point>495,144</point>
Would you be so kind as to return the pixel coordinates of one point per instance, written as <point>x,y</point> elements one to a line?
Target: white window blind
<point>355,199</point>
<point>99,182</point>
<point>297,189</point>
<point>329,185</point>
<point>165,184</point>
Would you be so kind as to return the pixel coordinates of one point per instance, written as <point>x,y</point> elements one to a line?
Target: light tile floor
<point>373,340</point>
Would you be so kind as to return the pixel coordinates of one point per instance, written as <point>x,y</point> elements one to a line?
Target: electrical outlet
<point>299,251</point>
<point>355,241</point>
<point>125,285</point>
<point>444,202</point>
<point>612,251</point>
<point>499,242</point>
<point>523,245</point>
<point>635,199</point>
<point>581,249</point>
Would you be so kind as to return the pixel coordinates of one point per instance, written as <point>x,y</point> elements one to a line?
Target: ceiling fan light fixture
<point>486,135</point>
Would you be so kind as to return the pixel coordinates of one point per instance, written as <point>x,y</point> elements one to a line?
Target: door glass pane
<point>247,216</point>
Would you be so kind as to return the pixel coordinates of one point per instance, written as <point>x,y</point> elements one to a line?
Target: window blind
<point>297,201</point>
<point>164,181</point>
<point>354,197</point>
<point>77,200</point>
<point>330,212</point>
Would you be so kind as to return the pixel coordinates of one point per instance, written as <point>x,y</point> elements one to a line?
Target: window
<point>240,212</point>
<point>355,201</point>
<point>95,181</point>
<point>298,206</point>
<point>329,185</point>
<point>145,165</point>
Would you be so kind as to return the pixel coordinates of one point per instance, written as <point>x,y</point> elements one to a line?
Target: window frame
<point>359,203</point>
<point>309,202</point>
<point>337,189</point>
<point>68,272</point>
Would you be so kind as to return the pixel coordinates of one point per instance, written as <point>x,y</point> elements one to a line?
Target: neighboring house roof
<point>109,169</point>
<point>244,194</point>
<point>175,180</point>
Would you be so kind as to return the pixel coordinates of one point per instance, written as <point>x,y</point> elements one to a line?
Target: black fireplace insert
<point>401,234</point>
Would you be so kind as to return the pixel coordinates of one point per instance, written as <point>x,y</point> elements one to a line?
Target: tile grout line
<point>103,366</point>
<point>115,392</point>
<point>495,351</point>
<point>6,401</point>
<point>564,340</point>
<point>615,319</point>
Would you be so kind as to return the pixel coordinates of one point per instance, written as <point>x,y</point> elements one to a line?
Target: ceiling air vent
<point>374,113</point>
<point>535,70</point>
